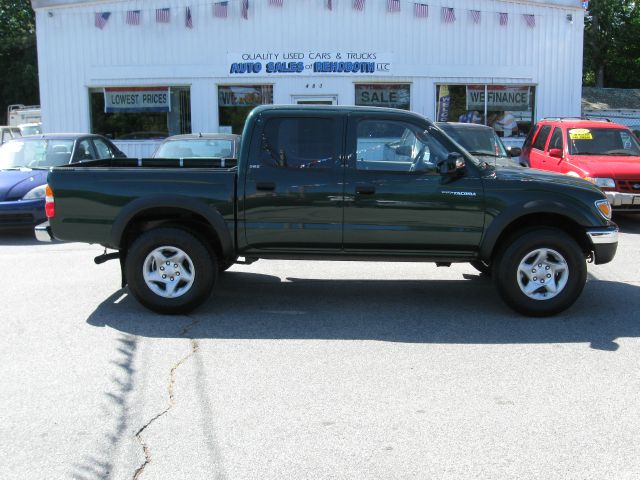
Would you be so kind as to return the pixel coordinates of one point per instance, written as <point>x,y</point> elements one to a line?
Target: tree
<point>18,55</point>
<point>611,47</point>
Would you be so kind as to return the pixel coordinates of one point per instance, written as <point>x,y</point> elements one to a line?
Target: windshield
<point>35,154</point>
<point>478,141</point>
<point>602,141</point>
<point>193,148</point>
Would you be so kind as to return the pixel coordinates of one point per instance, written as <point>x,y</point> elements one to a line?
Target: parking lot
<point>323,370</point>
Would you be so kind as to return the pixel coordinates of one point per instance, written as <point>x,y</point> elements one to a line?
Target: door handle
<point>365,189</point>
<point>269,186</point>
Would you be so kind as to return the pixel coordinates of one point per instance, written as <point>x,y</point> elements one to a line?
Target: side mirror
<point>404,150</point>
<point>555,153</point>
<point>514,151</point>
<point>453,165</point>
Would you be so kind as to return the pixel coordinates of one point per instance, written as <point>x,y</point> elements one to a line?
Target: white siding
<point>74,55</point>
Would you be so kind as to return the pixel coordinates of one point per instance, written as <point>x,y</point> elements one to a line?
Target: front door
<point>294,185</point>
<point>397,202</point>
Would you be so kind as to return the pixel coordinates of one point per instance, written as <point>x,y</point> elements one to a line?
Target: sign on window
<point>137,99</point>
<point>499,97</point>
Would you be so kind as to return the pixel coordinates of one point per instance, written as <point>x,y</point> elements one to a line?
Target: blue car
<point>25,163</point>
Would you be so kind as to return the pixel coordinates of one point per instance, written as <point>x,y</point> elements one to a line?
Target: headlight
<point>603,182</point>
<point>604,208</point>
<point>35,193</point>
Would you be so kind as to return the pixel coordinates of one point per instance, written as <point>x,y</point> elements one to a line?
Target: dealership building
<point>135,70</point>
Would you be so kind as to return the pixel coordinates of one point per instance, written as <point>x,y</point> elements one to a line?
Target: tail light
<point>49,203</point>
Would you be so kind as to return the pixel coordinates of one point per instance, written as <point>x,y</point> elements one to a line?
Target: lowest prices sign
<point>499,97</point>
<point>137,99</point>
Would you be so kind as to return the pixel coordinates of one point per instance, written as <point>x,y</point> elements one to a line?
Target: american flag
<point>244,11</point>
<point>220,9</point>
<point>329,4</point>
<point>530,20</point>
<point>358,5</point>
<point>101,19</point>
<point>162,15</point>
<point>276,3</point>
<point>188,21</point>
<point>504,19</point>
<point>393,5</point>
<point>133,17</point>
<point>475,16</point>
<point>421,10</point>
<point>448,15</point>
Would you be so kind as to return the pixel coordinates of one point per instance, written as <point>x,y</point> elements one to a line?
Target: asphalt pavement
<point>314,370</point>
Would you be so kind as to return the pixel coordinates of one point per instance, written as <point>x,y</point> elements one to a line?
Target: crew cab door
<point>293,196</point>
<point>396,200</point>
<point>537,156</point>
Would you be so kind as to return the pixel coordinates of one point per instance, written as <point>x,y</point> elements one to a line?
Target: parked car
<point>209,145</point>
<point>30,129</point>
<point>9,133</point>
<point>482,142</point>
<point>334,183</point>
<point>24,164</point>
<point>605,153</point>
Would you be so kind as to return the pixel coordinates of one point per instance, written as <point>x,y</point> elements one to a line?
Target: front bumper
<point>21,213</point>
<point>43,232</point>
<point>624,201</point>
<point>604,242</point>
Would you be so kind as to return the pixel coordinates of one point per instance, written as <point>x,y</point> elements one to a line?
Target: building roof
<point>610,98</point>
<point>60,3</point>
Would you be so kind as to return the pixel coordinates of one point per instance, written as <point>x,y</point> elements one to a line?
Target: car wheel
<point>482,266</point>
<point>170,270</point>
<point>542,272</point>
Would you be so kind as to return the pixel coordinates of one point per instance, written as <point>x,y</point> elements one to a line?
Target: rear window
<point>602,141</point>
<point>193,148</point>
<point>541,139</point>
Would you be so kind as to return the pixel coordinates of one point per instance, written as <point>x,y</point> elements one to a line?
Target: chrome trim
<point>599,237</point>
<point>618,199</point>
<point>43,232</point>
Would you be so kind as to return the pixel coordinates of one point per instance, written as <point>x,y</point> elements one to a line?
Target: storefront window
<point>236,101</point>
<point>509,109</point>
<point>392,95</point>
<point>134,113</point>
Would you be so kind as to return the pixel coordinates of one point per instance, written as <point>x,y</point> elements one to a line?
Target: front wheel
<point>541,273</point>
<point>170,270</point>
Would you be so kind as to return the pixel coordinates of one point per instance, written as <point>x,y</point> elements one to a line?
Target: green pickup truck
<point>334,183</point>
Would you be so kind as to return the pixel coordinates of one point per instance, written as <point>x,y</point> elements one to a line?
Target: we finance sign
<point>498,97</point>
<point>137,99</point>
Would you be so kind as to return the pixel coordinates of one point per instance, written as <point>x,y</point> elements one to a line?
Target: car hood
<point>610,167</point>
<point>14,184</point>
<point>516,174</point>
<point>497,161</point>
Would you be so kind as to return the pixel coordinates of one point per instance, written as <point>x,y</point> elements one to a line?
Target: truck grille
<point>629,186</point>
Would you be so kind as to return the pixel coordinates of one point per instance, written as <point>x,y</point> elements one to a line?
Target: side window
<point>104,151</point>
<point>541,139</point>
<point>396,146</point>
<point>299,142</point>
<point>556,139</point>
<point>84,151</point>
<point>5,135</point>
<point>529,139</point>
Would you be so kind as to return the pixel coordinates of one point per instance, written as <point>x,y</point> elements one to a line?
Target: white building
<point>523,56</point>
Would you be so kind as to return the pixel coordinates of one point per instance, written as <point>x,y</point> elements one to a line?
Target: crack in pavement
<point>195,346</point>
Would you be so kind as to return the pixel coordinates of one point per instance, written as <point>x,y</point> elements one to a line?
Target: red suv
<point>605,153</point>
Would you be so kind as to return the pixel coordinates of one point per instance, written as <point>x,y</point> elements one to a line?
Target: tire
<point>188,266</point>
<point>546,251</point>
<point>482,266</point>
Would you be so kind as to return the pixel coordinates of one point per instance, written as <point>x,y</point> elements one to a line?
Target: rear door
<point>537,156</point>
<point>396,201</point>
<point>294,186</point>
<point>555,142</point>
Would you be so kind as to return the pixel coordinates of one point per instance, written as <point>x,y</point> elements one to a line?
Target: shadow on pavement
<point>468,311</point>
<point>22,236</point>
<point>628,223</point>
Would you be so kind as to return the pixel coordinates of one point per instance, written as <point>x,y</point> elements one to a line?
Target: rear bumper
<point>624,201</point>
<point>21,213</point>
<point>604,242</point>
<point>43,232</point>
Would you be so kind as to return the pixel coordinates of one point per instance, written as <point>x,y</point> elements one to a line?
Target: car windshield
<point>35,153</point>
<point>196,147</point>
<point>602,141</point>
<point>478,141</point>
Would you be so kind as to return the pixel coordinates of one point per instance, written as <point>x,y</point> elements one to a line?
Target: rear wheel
<point>541,273</point>
<point>170,270</point>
